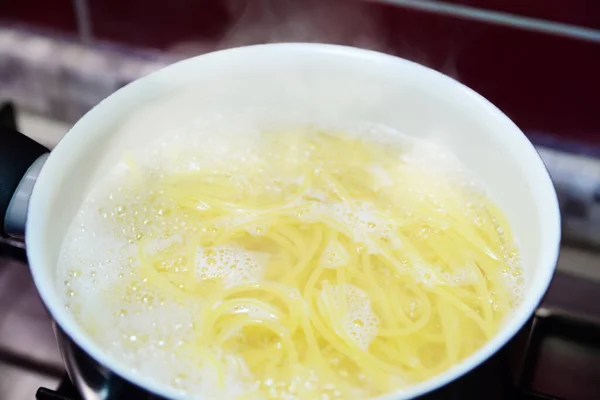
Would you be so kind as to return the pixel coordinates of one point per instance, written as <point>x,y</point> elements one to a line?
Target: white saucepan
<point>313,81</point>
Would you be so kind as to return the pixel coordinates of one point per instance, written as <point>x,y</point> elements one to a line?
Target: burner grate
<point>65,391</point>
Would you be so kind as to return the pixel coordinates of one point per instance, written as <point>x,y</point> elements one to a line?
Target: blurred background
<point>537,60</point>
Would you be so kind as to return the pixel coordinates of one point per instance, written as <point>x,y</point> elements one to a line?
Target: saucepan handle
<point>21,160</point>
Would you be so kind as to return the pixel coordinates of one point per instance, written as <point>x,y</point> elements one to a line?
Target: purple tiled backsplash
<point>547,82</point>
<point>60,16</point>
<point>127,14</point>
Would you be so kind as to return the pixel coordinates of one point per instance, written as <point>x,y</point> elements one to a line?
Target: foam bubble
<point>335,255</point>
<point>359,322</point>
<point>233,265</point>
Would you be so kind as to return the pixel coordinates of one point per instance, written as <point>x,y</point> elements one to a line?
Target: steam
<point>274,21</point>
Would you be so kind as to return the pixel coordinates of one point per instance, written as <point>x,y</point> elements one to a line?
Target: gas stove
<point>555,357</point>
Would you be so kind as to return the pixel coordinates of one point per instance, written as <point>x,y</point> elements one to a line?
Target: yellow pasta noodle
<point>320,264</point>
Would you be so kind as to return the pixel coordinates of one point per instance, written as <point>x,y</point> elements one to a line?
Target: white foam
<point>233,265</point>
<point>364,223</point>
<point>359,322</point>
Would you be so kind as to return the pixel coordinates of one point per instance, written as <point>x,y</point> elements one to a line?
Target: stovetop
<point>555,357</point>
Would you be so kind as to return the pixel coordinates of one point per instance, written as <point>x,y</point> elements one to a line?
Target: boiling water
<point>295,264</point>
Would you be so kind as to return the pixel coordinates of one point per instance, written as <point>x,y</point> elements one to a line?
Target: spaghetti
<point>367,273</point>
